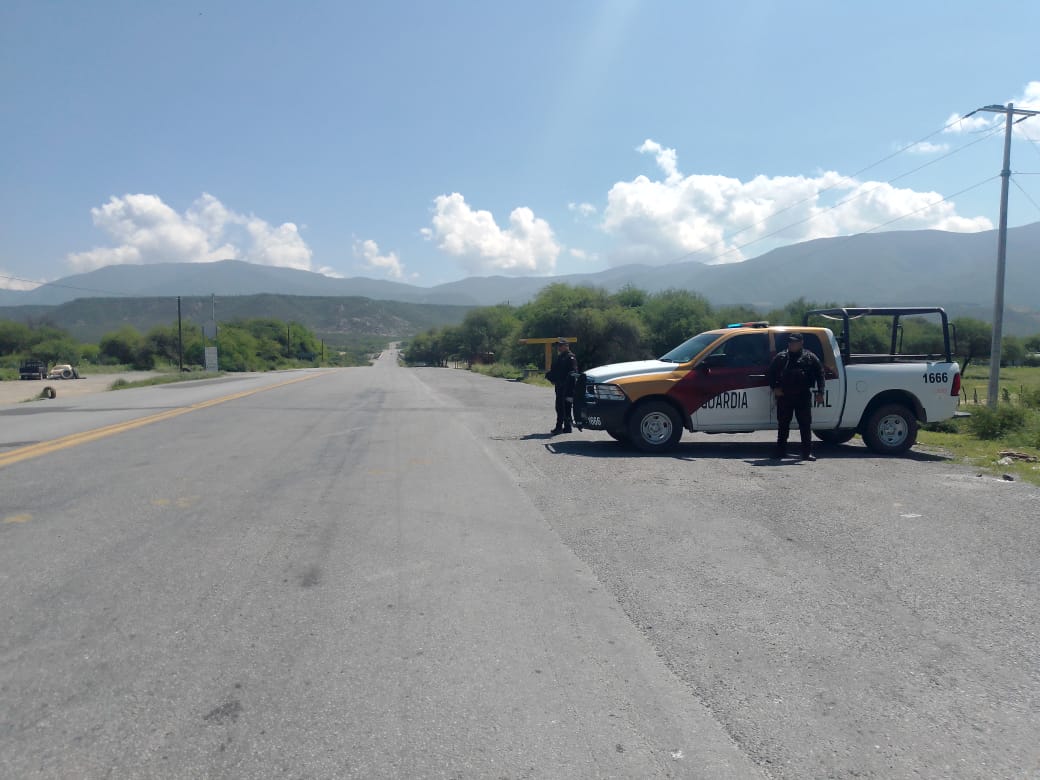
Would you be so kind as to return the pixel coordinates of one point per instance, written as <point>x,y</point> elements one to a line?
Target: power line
<point>40,284</point>
<point>843,239</point>
<point>990,131</point>
<point>1026,194</point>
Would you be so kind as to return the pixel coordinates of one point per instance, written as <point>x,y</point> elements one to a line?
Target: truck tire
<point>654,426</point>
<point>835,437</point>
<point>66,373</point>
<point>890,430</point>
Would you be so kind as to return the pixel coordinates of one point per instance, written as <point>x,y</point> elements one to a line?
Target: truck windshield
<point>688,350</point>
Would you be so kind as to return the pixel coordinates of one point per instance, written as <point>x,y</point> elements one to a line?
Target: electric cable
<point>40,284</point>
<point>842,239</point>
<point>1028,197</point>
<point>988,132</point>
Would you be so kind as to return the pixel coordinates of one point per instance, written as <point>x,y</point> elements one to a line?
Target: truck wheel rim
<point>892,430</point>
<point>656,428</point>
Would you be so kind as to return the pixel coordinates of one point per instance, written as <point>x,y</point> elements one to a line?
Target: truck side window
<point>813,344</point>
<point>745,350</point>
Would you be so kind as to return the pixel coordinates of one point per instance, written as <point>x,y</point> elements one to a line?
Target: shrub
<point>498,370</point>
<point>943,426</point>
<point>988,423</point>
<point>1030,397</point>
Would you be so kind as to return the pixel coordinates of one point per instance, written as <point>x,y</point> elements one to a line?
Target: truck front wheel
<point>890,430</point>
<point>654,426</point>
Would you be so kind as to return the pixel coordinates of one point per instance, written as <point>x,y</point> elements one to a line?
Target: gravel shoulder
<point>16,391</point>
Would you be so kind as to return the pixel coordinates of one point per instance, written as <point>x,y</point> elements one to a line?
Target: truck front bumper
<point>598,414</point>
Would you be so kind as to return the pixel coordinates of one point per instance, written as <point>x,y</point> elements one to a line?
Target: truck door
<point>824,415</point>
<point>732,382</point>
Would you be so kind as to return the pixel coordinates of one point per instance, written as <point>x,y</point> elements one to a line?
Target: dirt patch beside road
<point>18,390</point>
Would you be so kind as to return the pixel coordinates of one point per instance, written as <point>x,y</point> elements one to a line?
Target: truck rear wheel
<point>654,426</point>
<point>832,436</point>
<point>891,429</point>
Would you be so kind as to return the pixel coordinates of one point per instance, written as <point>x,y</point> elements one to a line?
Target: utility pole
<point>180,338</point>
<point>1010,112</point>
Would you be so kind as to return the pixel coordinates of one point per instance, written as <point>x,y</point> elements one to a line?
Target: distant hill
<point>338,320</point>
<point>928,267</point>
<point>226,277</point>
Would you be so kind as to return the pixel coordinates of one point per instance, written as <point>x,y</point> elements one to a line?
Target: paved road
<point>386,572</point>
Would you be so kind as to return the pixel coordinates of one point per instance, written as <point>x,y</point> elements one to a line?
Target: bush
<point>498,370</point>
<point>1030,397</point>
<point>986,423</point>
<point>943,426</point>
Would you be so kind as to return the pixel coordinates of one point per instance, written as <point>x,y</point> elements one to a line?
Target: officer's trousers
<point>800,407</point>
<point>563,408</point>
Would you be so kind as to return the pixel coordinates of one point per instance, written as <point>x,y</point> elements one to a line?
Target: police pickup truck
<point>716,383</point>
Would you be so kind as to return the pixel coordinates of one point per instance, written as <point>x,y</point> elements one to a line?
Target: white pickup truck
<point>716,383</point>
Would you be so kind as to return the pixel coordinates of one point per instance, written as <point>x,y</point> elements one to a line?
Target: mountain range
<point>921,267</point>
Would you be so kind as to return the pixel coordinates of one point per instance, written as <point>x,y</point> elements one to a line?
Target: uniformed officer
<point>561,374</point>
<point>792,375</point>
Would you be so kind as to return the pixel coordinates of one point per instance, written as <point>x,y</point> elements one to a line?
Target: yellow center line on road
<point>75,439</point>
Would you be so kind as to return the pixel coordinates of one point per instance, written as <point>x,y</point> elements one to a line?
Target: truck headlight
<point>608,393</point>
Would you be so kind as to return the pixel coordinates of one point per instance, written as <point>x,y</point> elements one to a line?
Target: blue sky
<point>426,142</point>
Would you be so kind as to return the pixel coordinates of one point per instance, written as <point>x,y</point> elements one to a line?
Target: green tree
<point>164,342</point>
<point>611,335</point>
<point>587,313</point>
<point>974,339</point>
<point>673,316</point>
<point>487,330</point>
<point>922,337</point>
<point>630,297</point>
<point>121,346</point>
<point>1012,351</point>
<point>238,348</point>
<point>14,337</point>
<point>728,315</point>
<point>57,350</point>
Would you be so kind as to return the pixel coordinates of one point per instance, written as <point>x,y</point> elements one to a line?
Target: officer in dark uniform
<point>561,375</point>
<point>792,375</point>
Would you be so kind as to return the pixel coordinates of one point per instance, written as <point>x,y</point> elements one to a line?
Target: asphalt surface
<point>388,572</point>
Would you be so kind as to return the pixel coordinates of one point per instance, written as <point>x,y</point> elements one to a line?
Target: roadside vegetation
<point>996,441</point>
<point>242,345</point>
<point>164,379</point>
<point>635,325</point>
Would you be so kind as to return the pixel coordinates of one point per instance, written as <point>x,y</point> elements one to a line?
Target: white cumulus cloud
<point>388,264</point>
<point>983,120</point>
<point>146,230</point>
<point>927,147</point>
<point>582,209</point>
<point>9,281</point>
<point>527,246</point>
<point>711,217</point>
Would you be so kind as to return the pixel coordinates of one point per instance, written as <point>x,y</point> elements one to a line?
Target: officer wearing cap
<point>792,375</point>
<point>562,376</point>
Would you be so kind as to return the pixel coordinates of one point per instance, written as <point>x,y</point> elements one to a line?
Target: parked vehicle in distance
<point>32,369</point>
<point>63,371</point>
<point>716,383</point>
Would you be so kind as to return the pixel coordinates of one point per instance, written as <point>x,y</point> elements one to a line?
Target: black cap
<point>795,337</point>
<point>561,340</point>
